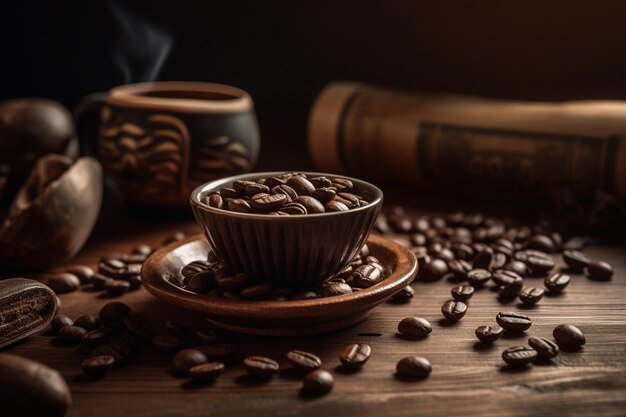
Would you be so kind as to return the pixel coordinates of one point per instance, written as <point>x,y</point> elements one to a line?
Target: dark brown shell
<point>53,213</point>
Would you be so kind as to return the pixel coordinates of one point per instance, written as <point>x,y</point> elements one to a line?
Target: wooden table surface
<point>466,379</point>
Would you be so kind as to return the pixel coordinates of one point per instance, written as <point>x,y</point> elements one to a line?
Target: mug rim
<point>128,95</point>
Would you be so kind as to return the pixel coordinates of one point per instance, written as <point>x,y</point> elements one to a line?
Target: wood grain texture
<point>466,379</point>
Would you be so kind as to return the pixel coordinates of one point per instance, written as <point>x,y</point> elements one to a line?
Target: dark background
<point>284,52</point>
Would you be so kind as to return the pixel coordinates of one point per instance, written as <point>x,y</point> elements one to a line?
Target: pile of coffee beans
<point>210,277</point>
<point>292,193</point>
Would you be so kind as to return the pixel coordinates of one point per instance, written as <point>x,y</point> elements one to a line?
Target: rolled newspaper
<point>468,143</point>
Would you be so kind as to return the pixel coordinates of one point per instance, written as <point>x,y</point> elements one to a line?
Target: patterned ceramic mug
<point>158,141</point>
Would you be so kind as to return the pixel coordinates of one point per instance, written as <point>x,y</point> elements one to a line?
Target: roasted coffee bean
<point>186,359</point>
<point>138,326</point>
<point>518,267</point>
<point>477,278</point>
<point>335,205</point>
<point>121,346</point>
<point>206,372</point>
<point>321,182</point>
<point>214,200</point>
<point>285,190</point>
<point>175,328</point>
<point>576,261</point>
<point>273,182</point>
<point>462,292</point>
<point>111,263</point>
<point>569,336</point>
<point>367,275</point>
<point>232,283</point>
<point>239,205</point>
<point>60,282</point>
<point>483,260</point>
<point>599,271</point>
<point>240,185</point>
<point>459,268</point>
<point>219,351</point>
<point>71,334</point>
<point>167,344</point>
<point>519,355</point>
<point>488,334</point>
<point>512,321</point>
<point>256,292</point>
<point>415,327</point>
<point>330,289</point>
<point>230,193</point>
<point>542,243</point>
<point>318,382</point>
<point>134,282</point>
<point>256,188</point>
<point>349,199</point>
<point>144,250</point>
<point>193,268</point>
<point>546,349</point>
<point>112,314</point>
<point>116,287</point>
<point>107,350</point>
<point>454,310</point>
<point>303,361</point>
<point>201,282</point>
<point>311,204</point>
<point>98,336</point>
<point>433,270</point>
<point>99,281</point>
<point>414,367</point>
<point>261,366</point>
<point>29,388</point>
<point>531,296</point>
<point>404,295</point>
<point>463,251</point>
<point>265,203</point>
<point>301,185</point>
<point>503,277</point>
<point>355,355</point>
<point>98,365</point>
<point>82,272</point>
<point>324,194</point>
<point>59,322</point>
<point>539,262</point>
<point>512,288</point>
<point>293,209</point>
<point>557,282</point>
<point>400,223</point>
<point>88,322</point>
<point>208,336</point>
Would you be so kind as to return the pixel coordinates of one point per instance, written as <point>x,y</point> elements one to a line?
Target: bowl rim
<point>196,203</point>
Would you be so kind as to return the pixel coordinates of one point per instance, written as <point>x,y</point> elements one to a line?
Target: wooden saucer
<point>161,273</point>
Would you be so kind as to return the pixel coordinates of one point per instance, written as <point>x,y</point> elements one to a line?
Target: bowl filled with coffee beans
<point>287,229</point>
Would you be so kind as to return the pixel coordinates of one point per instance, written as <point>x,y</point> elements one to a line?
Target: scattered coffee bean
<point>167,344</point>
<point>546,349</point>
<point>71,334</point>
<point>502,277</point>
<point>29,388</point>
<point>303,361</point>
<point>138,326</point>
<point>99,281</point>
<point>367,275</point>
<point>88,322</point>
<point>569,336</point>
<point>318,382</point>
<point>261,366</point>
<point>98,365</point>
<point>477,278</point>
<point>414,367</point>
<point>112,314</point>
<point>186,359</point>
<point>116,287</point>
<point>575,260</point>
<point>60,282</point>
<point>206,372</point>
<point>415,327</point>
<point>217,351</point>
<point>98,336</point>
<point>208,336</point>
<point>355,355</point>
<point>454,310</point>
<point>462,292</point>
<point>512,288</point>
<point>531,296</point>
<point>557,282</point>
<point>82,272</point>
<point>433,270</point>
<point>488,334</point>
<point>519,355</point>
<point>599,271</point>
<point>518,267</point>
<point>59,322</point>
<point>512,321</point>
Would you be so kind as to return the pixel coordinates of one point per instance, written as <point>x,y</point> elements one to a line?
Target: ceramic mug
<point>158,141</point>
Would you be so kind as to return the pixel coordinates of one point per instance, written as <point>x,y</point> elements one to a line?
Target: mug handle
<point>87,121</point>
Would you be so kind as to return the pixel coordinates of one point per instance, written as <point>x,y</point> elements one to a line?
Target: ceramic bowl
<point>286,251</point>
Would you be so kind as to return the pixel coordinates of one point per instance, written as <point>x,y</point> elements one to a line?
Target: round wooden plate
<point>161,275</point>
